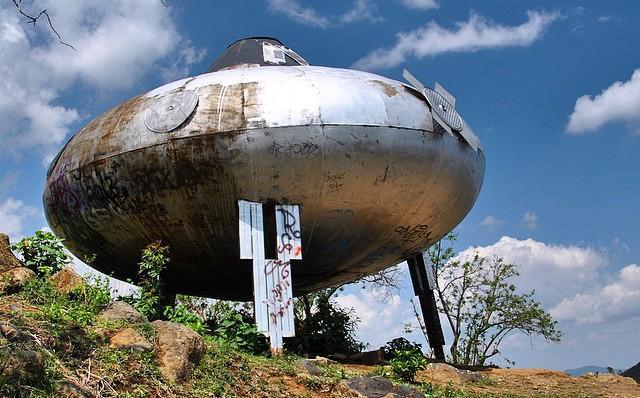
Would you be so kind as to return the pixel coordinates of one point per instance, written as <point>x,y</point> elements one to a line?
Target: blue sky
<point>551,88</point>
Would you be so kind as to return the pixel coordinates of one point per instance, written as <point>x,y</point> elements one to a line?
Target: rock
<point>22,366</point>
<point>445,373</point>
<point>309,366</point>
<point>178,349</point>
<point>13,334</point>
<point>376,387</point>
<point>130,339</point>
<point>67,280</point>
<point>121,311</point>
<point>7,259</point>
<point>13,280</point>
<point>375,357</point>
<point>318,360</point>
<point>70,388</point>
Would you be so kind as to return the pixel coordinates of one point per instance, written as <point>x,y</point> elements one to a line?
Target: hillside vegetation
<point>62,335</point>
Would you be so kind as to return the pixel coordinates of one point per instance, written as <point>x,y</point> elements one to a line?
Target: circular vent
<point>168,112</point>
<point>443,109</point>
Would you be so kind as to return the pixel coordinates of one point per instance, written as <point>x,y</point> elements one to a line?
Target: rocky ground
<point>64,337</point>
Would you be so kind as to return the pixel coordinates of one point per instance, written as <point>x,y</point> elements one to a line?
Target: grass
<point>65,330</point>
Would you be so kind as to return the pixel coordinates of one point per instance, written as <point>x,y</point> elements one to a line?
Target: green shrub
<point>148,300</point>
<point>78,307</point>
<point>181,314</point>
<point>237,329</point>
<point>43,253</point>
<point>407,363</point>
<point>324,328</point>
<point>399,344</point>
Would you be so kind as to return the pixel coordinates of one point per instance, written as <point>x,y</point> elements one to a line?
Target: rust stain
<point>387,88</point>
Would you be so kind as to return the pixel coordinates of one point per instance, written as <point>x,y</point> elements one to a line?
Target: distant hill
<point>586,369</point>
<point>633,372</point>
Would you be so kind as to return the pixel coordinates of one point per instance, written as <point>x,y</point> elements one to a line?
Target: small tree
<point>323,327</point>
<point>482,305</point>
<point>149,299</point>
<point>43,253</point>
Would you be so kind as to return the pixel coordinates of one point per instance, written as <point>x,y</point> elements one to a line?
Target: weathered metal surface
<point>357,151</point>
<point>168,112</point>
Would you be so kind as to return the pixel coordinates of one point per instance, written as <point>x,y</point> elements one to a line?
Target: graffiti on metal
<point>273,293</point>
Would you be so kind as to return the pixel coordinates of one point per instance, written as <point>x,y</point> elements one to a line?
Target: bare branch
<point>32,20</point>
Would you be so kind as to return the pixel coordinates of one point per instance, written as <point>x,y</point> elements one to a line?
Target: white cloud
<point>475,34</point>
<point>421,4</point>
<point>13,214</point>
<point>529,220</point>
<point>362,10</point>
<point>617,300</point>
<point>554,271</point>
<point>618,102</point>
<point>491,222</point>
<point>187,57</point>
<point>380,322</point>
<point>295,11</point>
<point>118,43</point>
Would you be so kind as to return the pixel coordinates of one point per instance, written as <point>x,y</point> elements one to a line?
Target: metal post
<point>423,285</point>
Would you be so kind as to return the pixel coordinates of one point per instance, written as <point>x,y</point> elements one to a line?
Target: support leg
<point>424,290</point>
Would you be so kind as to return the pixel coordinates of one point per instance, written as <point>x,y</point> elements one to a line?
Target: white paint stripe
<point>244,227</point>
<point>259,291</point>
<point>221,105</point>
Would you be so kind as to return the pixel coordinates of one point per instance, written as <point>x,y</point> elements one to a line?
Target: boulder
<point>13,280</point>
<point>22,366</point>
<point>72,389</point>
<point>447,373</point>
<point>178,348</point>
<point>130,339</point>
<point>7,259</point>
<point>376,387</point>
<point>309,366</point>
<point>13,334</point>
<point>67,280</point>
<point>121,311</point>
<point>375,357</point>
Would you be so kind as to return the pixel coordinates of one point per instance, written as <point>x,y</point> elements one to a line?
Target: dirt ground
<point>524,382</point>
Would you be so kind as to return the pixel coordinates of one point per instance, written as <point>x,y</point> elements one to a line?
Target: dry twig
<point>32,20</point>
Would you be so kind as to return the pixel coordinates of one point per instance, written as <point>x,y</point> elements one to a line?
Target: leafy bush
<point>324,328</point>
<point>407,363</point>
<point>43,253</point>
<point>399,344</point>
<point>236,327</point>
<point>181,314</point>
<point>78,307</point>
<point>148,300</point>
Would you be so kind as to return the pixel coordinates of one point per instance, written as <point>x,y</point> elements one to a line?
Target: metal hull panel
<point>356,151</point>
<point>368,195</point>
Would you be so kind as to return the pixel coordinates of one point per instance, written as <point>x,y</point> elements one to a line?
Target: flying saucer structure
<point>380,169</point>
